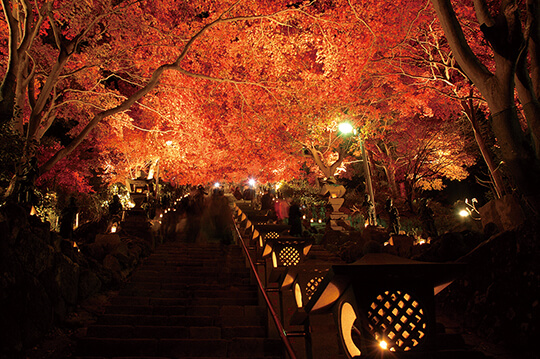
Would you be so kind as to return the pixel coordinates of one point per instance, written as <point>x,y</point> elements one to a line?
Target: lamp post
<point>367,173</point>
<point>346,128</point>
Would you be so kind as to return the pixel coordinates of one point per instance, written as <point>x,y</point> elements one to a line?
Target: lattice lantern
<point>397,319</point>
<point>285,252</point>
<point>267,237</point>
<point>383,303</point>
<point>304,280</point>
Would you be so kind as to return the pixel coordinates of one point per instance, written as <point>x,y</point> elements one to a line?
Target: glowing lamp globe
<point>345,128</point>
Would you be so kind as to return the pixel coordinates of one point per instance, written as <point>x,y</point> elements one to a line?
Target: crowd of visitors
<point>204,216</point>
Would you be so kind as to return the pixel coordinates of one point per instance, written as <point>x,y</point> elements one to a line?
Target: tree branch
<point>471,65</point>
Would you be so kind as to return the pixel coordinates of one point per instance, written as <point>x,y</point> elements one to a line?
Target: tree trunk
<point>367,176</point>
<point>7,100</point>
<point>391,178</point>
<point>498,90</point>
<point>529,101</point>
<point>534,44</point>
<point>498,183</point>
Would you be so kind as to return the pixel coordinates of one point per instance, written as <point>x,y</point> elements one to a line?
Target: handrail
<point>279,326</point>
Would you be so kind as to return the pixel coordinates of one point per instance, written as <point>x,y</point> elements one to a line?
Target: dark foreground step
<point>184,301</point>
<point>178,332</point>
<point>179,348</point>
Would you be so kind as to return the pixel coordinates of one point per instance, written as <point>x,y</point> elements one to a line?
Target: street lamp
<point>346,128</point>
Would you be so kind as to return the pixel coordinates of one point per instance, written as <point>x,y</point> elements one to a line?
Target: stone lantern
<point>335,199</point>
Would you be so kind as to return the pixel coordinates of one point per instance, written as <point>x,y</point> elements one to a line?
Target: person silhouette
<point>393,214</point>
<point>369,208</point>
<point>67,219</point>
<point>29,174</point>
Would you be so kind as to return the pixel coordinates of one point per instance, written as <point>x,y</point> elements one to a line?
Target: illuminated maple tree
<point>427,59</point>
<point>207,91</point>
<point>417,153</point>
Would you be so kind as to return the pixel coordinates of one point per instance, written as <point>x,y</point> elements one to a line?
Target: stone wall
<point>43,277</point>
<point>498,298</point>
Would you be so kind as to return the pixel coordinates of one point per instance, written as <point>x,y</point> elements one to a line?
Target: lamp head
<point>345,128</point>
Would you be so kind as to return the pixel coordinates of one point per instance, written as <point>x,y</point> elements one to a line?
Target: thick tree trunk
<point>8,86</point>
<point>498,90</point>
<point>533,14</point>
<point>7,100</point>
<point>529,101</point>
<point>530,73</point>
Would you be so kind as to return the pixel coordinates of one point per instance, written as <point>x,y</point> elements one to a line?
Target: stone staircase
<point>186,300</point>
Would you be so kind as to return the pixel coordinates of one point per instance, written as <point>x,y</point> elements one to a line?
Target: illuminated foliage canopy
<point>210,90</point>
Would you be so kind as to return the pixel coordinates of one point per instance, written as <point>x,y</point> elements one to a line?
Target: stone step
<point>172,348</point>
<point>190,258</point>
<point>184,301</point>
<point>189,280</point>
<point>228,301</point>
<point>458,353</point>
<point>243,332</point>
<point>131,300</point>
<point>182,273</point>
<point>179,348</point>
<point>196,309</point>
<point>172,331</point>
<point>161,271</point>
<point>154,331</point>
<point>155,357</point>
<point>162,310</point>
<point>159,320</point>
<point>233,320</point>
<point>170,308</point>
<point>173,284</point>
<point>198,253</point>
<point>249,347</point>
<point>202,298</point>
